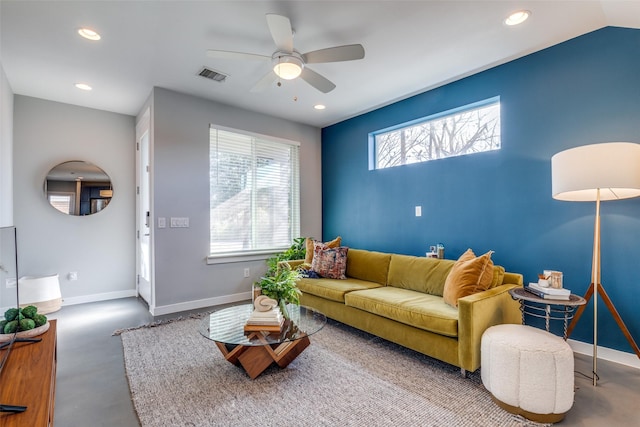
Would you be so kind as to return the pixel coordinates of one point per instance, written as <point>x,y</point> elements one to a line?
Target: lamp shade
<point>611,167</point>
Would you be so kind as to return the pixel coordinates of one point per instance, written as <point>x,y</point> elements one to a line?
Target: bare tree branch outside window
<point>471,131</point>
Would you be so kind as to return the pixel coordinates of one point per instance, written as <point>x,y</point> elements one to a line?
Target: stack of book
<point>267,321</point>
<point>548,293</point>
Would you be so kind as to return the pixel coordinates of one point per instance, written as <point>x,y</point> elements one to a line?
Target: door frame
<point>143,127</point>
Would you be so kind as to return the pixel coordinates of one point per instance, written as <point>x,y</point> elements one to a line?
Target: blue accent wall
<point>583,91</point>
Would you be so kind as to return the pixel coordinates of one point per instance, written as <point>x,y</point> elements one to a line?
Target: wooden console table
<point>29,379</point>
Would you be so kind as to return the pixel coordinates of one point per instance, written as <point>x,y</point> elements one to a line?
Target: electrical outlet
<point>418,210</point>
<point>247,272</point>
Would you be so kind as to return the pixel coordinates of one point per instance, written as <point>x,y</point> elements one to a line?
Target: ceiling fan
<point>288,63</point>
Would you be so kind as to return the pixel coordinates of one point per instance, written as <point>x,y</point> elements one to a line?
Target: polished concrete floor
<point>92,388</point>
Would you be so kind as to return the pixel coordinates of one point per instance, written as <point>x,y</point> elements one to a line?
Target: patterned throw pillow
<point>330,263</point>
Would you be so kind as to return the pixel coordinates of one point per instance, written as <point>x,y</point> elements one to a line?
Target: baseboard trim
<point>98,297</point>
<point>201,303</point>
<point>604,353</point>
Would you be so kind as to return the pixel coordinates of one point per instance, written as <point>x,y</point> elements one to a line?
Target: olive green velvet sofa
<point>399,298</point>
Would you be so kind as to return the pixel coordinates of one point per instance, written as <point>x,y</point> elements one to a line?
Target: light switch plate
<point>181,222</point>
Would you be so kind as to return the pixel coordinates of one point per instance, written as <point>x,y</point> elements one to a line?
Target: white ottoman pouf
<point>43,292</point>
<point>528,371</point>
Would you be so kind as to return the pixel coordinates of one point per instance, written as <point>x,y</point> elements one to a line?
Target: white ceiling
<point>411,46</point>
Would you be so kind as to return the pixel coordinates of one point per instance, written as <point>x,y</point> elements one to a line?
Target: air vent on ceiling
<point>212,75</point>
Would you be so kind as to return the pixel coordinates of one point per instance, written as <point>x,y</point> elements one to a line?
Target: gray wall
<point>100,247</point>
<point>180,170</point>
<point>6,150</point>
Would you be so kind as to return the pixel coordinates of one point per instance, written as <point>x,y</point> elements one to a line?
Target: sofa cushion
<point>413,308</point>
<point>330,262</point>
<point>368,265</point>
<point>420,274</point>
<point>308,258</point>
<point>331,289</point>
<point>469,275</point>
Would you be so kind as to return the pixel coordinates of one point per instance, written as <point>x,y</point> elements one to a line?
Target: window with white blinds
<point>64,202</point>
<point>254,193</point>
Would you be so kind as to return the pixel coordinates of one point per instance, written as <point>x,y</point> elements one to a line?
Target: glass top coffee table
<point>256,351</point>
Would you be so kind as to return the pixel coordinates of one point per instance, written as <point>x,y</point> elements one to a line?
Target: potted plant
<point>281,286</point>
<point>279,283</point>
<point>297,250</point>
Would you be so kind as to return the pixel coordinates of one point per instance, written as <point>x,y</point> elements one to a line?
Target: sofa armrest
<point>513,278</point>
<point>291,264</point>
<point>477,313</point>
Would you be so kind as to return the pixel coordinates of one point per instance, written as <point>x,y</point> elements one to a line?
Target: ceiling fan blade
<point>227,54</point>
<point>264,82</point>
<point>280,28</point>
<point>317,81</point>
<point>348,52</point>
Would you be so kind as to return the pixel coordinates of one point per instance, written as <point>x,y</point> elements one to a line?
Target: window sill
<point>239,257</point>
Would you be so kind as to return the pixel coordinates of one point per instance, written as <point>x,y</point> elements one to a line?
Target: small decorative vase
<point>283,309</point>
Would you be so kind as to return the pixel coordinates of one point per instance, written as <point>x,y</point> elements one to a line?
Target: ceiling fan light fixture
<point>287,67</point>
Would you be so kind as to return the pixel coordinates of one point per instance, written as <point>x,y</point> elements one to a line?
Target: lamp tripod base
<point>607,301</point>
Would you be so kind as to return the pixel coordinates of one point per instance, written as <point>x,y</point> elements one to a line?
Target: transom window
<point>254,192</point>
<point>470,129</point>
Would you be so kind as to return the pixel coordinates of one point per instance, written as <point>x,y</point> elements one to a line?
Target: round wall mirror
<point>78,188</point>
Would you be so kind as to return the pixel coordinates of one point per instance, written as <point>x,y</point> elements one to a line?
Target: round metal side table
<point>547,309</point>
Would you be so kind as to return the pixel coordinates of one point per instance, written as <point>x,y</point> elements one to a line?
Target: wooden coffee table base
<point>256,358</point>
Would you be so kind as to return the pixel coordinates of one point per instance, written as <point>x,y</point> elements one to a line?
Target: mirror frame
<point>78,188</point>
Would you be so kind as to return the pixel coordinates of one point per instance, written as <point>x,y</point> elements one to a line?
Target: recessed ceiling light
<point>83,86</point>
<point>89,34</point>
<point>319,107</point>
<point>517,17</point>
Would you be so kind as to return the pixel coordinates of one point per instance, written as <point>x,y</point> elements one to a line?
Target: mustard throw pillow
<point>469,275</point>
<point>308,259</point>
<point>498,276</point>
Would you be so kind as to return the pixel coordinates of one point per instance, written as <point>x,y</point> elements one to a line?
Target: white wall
<point>100,247</point>
<point>181,189</point>
<point>6,151</point>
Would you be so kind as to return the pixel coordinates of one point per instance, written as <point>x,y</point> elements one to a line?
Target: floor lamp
<point>597,172</point>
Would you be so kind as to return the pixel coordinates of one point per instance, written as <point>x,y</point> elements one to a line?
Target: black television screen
<point>8,299</point>
<point>8,284</point>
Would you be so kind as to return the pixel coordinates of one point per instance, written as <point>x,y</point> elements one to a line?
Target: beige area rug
<point>344,378</point>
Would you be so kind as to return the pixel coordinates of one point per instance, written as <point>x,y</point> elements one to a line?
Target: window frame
<point>421,120</point>
<point>258,254</point>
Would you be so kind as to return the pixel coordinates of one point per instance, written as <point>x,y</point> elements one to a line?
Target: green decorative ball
<point>11,314</point>
<point>27,324</point>
<point>30,311</point>
<point>40,319</point>
<point>11,327</point>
